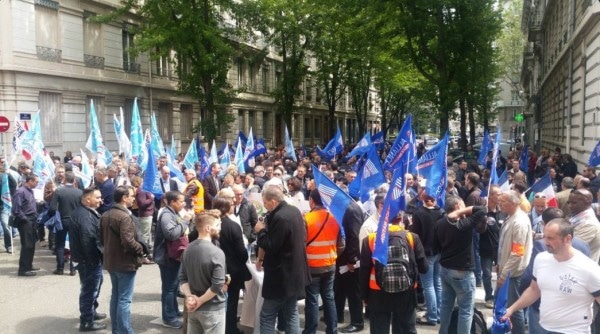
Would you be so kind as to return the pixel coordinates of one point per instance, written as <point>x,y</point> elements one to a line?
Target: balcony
<point>131,67</point>
<point>48,54</point>
<point>535,27</point>
<point>93,61</point>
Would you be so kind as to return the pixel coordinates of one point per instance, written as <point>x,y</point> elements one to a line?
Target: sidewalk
<point>48,303</point>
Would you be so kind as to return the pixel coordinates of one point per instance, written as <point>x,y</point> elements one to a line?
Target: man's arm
<point>519,236</point>
<point>127,232</point>
<point>527,298</point>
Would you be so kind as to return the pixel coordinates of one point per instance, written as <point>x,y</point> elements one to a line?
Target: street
<point>48,303</point>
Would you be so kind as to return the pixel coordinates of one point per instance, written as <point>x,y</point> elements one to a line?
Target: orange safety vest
<point>322,251</point>
<point>198,199</point>
<point>393,228</point>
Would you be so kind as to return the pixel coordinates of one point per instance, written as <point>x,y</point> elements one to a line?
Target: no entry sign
<point>4,124</point>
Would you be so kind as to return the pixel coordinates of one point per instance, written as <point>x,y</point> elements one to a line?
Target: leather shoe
<point>91,326</point>
<point>28,273</point>
<point>99,316</point>
<point>58,272</point>
<point>352,328</point>
<point>73,272</point>
<point>424,321</point>
<point>34,269</point>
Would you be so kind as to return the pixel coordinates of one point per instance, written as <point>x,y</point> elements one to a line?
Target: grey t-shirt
<point>203,268</point>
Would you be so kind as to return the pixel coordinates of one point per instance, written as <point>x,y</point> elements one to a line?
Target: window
<point>265,79</point>
<point>252,77</point>
<point>129,64</point>
<point>127,114</point>
<point>308,88</point>
<point>164,120</point>
<point>278,77</point>
<point>241,121</point>
<point>317,127</point>
<point>163,65</point>
<point>266,125</point>
<point>92,42</point>
<point>50,106</point>
<point>100,115</point>
<point>186,121</point>
<point>251,120</point>
<point>47,34</point>
<point>307,127</point>
<point>240,72</point>
<point>318,94</point>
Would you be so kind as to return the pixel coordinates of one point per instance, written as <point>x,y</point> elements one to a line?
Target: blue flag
<point>175,171</point>
<point>377,140</point>
<point>290,151</point>
<point>260,148</point>
<point>432,166</point>
<point>249,149</point>
<point>334,147</point>
<point>362,146</point>
<point>95,143</point>
<point>122,139</point>
<point>158,148</point>
<point>191,157</point>
<point>239,158</point>
<point>241,138</point>
<point>394,202</point>
<point>204,164</point>
<point>225,160</point>
<point>334,199</point>
<point>494,168</point>
<point>6,198</point>
<point>152,176</point>
<point>400,151</point>
<point>354,186</point>
<point>86,173</point>
<point>500,305</point>
<point>595,156</point>
<point>372,175</point>
<point>486,146</point>
<point>142,160</point>
<point>524,159</point>
<point>137,134</point>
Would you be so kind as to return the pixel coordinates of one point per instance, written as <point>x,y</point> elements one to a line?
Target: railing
<point>49,54</point>
<point>131,67</point>
<point>93,61</point>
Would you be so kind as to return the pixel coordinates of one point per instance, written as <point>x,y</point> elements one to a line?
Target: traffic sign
<point>4,124</point>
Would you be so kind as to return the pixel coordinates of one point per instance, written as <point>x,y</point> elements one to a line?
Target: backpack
<point>478,325</point>
<point>399,273</point>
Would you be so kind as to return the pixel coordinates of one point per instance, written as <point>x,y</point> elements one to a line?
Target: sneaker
<point>489,304</point>
<point>9,250</point>
<point>173,324</point>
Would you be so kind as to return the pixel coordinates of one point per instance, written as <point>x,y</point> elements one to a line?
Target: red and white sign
<point>4,124</point>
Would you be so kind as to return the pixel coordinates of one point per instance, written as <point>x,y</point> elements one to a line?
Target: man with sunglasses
<point>540,203</point>
<point>584,221</point>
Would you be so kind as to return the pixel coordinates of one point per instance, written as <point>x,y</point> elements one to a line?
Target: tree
<point>510,45</point>
<point>201,38</point>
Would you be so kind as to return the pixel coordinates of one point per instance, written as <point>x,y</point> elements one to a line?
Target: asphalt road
<point>48,303</point>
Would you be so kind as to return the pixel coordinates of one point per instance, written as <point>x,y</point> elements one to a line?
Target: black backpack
<point>478,325</point>
<point>399,273</point>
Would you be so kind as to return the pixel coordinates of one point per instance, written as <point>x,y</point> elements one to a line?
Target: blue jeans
<point>120,301</point>
<point>269,311</point>
<point>90,278</point>
<point>487,265</point>
<point>476,238</point>
<point>6,230</point>
<point>518,317</point>
<point>457,286</point>
<point>323,285</point>
<point>432,289</point>
<point>534,321</point>
<point>169,277</point>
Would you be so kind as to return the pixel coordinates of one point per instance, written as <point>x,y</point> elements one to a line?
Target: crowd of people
<point>203,233</point>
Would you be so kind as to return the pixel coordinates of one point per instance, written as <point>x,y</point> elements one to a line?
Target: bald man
<point>584,221</point>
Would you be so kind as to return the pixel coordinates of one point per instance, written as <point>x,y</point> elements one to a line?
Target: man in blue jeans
<point>454,238</point>
<point>86,251</point>
<point>122,257</point>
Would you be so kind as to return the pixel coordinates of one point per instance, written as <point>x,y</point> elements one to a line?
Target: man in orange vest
<point>194,192</point>
<point>323,242</point>
<point>397,308</point>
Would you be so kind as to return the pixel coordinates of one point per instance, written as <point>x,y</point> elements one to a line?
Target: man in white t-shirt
<point>567,281</point>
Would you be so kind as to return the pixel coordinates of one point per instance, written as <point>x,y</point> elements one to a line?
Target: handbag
<point>176,247</point>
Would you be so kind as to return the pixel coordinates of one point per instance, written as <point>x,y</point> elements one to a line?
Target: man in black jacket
<point>282,236</point>
<point>86,251</point>
<point>347,284</point>
<point>246,212</point>
<point>65,200</point>
<point>454,238</point>
<point>488,242</point>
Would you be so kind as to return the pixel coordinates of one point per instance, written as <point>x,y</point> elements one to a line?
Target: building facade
<point>561,74</point>
<point>54,60</point>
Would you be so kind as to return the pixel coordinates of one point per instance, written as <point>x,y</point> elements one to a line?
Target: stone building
<point>561,74</point>
<point>54,60</point>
